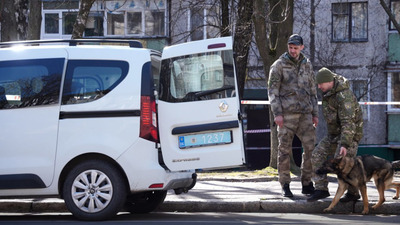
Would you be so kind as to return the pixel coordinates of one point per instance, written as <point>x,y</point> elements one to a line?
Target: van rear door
<point>198,106</point>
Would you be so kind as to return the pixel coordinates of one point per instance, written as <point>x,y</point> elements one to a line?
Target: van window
<point>88,80</point>
<point>197,77</point>
<point>26,83</point>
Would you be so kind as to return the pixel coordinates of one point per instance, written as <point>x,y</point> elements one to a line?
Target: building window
<point>203,23</point>
<point>136,18</point>
<point>68,21</point>
<point>115,24</point>
<point>361,91</point>
<point>155,23</point>
<point>197,24</point>
<point>395,6</point>
<point>134,23</point>
<point>394,91</point>
<point>94,25</point>
<point>106,18</point>
<point>350,22</point>
<point>59,18</point>
<point>51,25</point>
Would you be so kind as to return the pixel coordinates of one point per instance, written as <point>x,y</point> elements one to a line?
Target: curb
<point>267,206</point>
<point>277,206</point>
<point>210,206</point>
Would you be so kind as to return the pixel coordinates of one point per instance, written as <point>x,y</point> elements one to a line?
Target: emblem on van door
<point>223,106</point>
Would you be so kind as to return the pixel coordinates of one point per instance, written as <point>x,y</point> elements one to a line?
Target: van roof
<point>74,42</point>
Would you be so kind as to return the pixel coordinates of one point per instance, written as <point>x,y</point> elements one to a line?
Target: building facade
<point>356,39</point>
<point>136,19</point>
<point>156,23</point>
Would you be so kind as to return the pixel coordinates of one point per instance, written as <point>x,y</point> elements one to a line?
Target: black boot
<point>350,197</point>
<point>318,194</point>
<point>308,189</point>
<point>286,191</point>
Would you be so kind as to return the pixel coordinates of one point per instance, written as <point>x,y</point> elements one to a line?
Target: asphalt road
<point>171,218</point>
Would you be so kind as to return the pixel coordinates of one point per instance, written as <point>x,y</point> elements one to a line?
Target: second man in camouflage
<point>344,120</point>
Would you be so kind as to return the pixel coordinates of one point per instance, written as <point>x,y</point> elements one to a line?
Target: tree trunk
<point>280,24</point>
<point>225,31</point>
<point>35,19</point>
<point>281,27</point>
<point>21,7</point>
<point>8,21</point>
<point>312,32</point>
<point>83,14</point>
<point>242,41</point>
<point>260,32</point>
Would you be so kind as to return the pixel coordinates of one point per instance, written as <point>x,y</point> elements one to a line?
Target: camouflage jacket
<point>291,87</point>
<point>342,113</point>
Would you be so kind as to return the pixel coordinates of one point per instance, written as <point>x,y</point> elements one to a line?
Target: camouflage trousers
<point>300,125</point>
<point>328,148</point>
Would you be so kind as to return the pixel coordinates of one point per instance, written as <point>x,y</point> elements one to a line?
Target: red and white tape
<point>263,102</point>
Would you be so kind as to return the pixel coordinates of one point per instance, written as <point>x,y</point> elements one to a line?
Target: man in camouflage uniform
<point>345,129</point>
<point>293,97</point>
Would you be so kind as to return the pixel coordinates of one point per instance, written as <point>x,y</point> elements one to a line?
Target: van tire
<point>145,202</point>
<point>94,200</point>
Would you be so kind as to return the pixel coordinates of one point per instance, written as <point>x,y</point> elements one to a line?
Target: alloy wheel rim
<point>92,191</point>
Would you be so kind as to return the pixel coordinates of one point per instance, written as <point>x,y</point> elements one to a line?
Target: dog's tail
<point>396,164</point>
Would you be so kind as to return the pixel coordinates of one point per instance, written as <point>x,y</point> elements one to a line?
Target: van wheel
<point>94,190</point>
<point>145,202</point>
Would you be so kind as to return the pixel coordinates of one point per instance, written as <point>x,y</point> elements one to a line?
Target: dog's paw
<point>327,210</point>
<point>375,206</point>
<point>395,197</point>
<point>365,212</point>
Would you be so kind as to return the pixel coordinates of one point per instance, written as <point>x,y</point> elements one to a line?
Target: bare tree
<point>34,19</point>
<point>80,22</point>
<point>272,27</point>
<point>242,41</point>
<point>8,21</point>
<point>21,8</point>
<point>20,19</point>
<point>217,19</point>
<point>225,30</point>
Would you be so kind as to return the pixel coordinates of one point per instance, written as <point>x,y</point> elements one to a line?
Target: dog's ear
<point>347,163</point>
<point>339,157</point>
<point>341,161</point>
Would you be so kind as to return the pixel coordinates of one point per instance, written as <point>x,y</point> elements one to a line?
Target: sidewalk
<point>232,195</point>
<point>264,195</point>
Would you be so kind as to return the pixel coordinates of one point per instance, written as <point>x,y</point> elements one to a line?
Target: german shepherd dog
<point>357,171</point>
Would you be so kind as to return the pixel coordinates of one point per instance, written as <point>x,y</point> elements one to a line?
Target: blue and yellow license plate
<point>206,139</point>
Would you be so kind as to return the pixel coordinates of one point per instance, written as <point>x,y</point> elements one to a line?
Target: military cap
<point>295,39</point>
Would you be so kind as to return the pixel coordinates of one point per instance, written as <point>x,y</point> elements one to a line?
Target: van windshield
<point>197,77</point>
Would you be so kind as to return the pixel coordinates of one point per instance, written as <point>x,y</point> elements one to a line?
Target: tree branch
<point>390,14</point>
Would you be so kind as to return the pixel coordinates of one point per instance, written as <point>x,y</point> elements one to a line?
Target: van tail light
<point>148,119</point>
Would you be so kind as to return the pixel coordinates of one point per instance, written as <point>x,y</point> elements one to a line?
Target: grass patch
<point>266,172</point>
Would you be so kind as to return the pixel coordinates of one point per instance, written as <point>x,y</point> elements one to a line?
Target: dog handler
<point>344,120</point>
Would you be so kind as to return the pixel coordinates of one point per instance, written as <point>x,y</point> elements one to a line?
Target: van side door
<point>30,81</point>
<point>198,106</point>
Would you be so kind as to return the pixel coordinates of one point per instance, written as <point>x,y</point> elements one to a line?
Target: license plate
<point>206,139</point>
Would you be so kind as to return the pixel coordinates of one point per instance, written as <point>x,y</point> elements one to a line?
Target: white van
<point>107,126</point>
